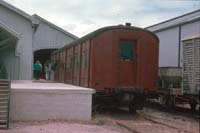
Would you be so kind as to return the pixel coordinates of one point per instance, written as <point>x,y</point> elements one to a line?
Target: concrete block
<point>42,101</point>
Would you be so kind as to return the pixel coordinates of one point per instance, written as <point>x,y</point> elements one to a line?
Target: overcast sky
<point>84,16</point>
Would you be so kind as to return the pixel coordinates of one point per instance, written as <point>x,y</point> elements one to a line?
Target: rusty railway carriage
<point>116,60</point>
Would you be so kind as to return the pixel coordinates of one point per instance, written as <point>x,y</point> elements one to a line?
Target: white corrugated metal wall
<point>23,27</point>
<point>32,36</point>
<point>169,52</point>
<point>168,49</point>
<point>47,37</point>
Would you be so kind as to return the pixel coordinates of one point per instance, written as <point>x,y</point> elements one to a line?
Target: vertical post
<point>179,45</point>
<point>80,66</point>
<point>65,66</point>
<point>89,60</point>
<point>73,49</point>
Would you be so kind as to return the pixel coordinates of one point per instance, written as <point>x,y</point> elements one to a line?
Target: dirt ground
<point>113,121</point>
<point>62,127</point>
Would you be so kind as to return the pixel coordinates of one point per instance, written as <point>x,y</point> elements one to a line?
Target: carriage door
<point>127,63</point>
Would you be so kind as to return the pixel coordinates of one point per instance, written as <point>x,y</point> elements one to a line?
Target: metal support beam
<point>5,42</point>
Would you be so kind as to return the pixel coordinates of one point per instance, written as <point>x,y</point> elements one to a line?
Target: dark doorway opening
<point>3,71</point>
<point>43,55</point>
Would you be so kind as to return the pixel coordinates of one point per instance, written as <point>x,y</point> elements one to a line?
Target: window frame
<point>133,42</point>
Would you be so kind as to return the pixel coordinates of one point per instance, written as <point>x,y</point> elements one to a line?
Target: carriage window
<point>126,50</point>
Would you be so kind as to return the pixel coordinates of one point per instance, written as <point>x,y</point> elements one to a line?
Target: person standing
<point>37,70</point>
<point>47,70</point>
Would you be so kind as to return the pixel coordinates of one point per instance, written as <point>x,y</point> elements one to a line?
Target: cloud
<point>83,16</point>
<point>71,27</point>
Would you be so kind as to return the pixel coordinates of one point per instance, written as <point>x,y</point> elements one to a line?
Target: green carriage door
<point>127,63</point>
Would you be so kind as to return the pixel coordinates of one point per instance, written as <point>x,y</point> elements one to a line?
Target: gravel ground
<point>178,122</point>
<point>62,127</point>
<point>153,121</point>
<point>114,121</point>
<point>143,126</point>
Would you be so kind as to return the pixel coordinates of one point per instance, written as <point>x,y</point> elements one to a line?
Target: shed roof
<point>180,20</point>
<point>101,30</point>
<point>55,26</point>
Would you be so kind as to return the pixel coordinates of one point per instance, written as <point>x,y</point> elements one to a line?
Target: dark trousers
<point>37,74</point>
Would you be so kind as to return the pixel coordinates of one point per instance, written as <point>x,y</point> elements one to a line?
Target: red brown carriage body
<point>115,57</point>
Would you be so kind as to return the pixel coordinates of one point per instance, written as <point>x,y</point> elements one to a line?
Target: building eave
<point>18,11</point>
<point>10,30</point>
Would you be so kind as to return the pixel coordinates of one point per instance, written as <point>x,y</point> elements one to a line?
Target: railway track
<point>151,120</point>
<point>174,110</point>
